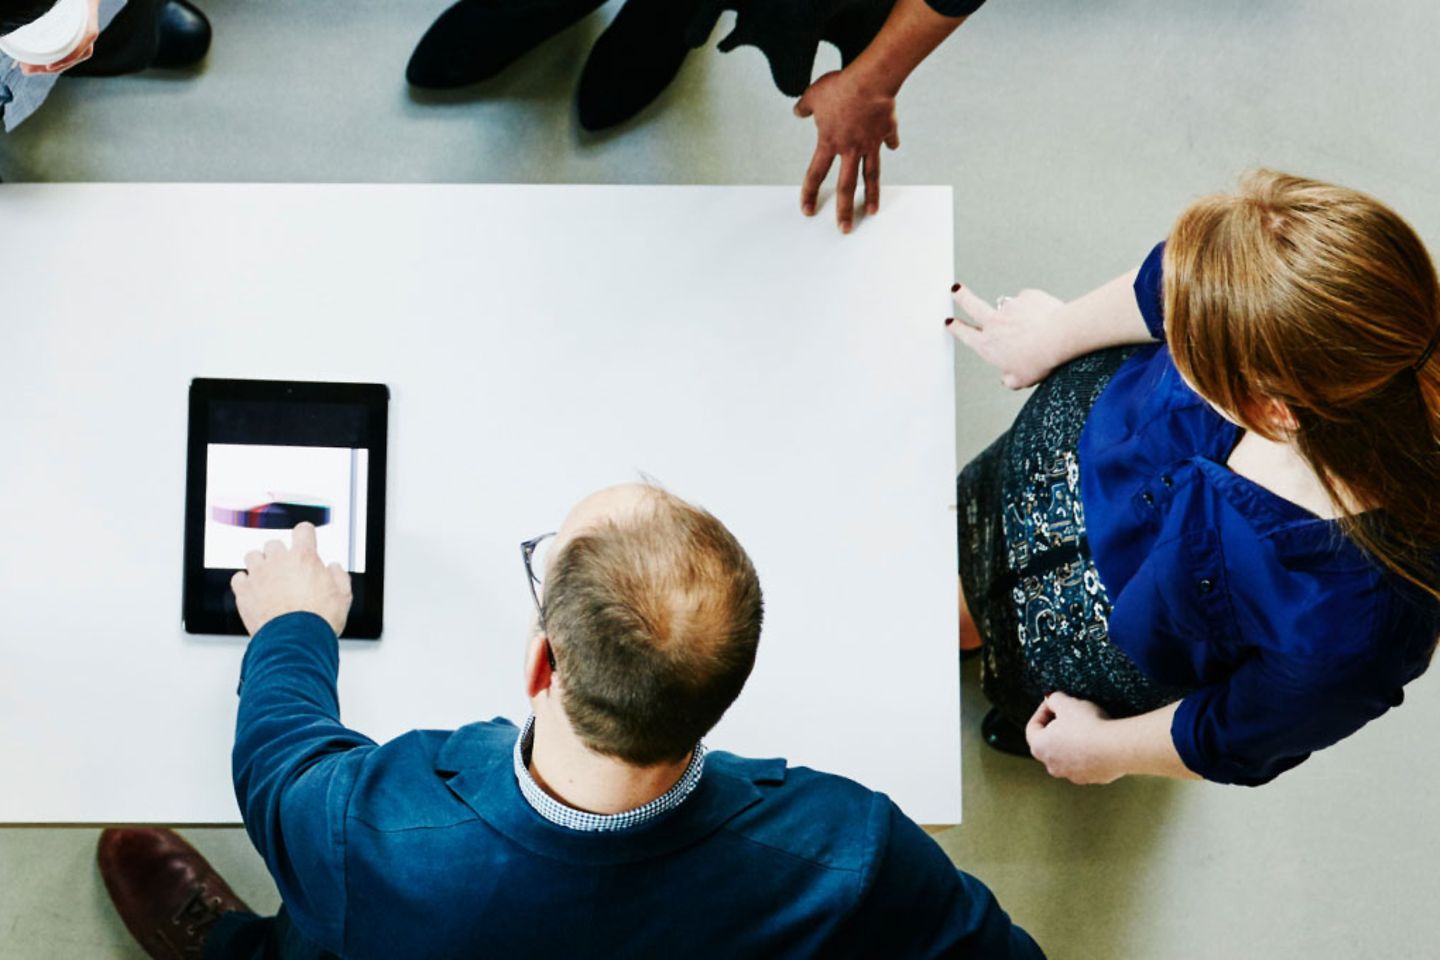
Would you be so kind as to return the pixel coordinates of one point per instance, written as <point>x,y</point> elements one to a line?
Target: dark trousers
<point>244,936</point>
<point>128,44</point>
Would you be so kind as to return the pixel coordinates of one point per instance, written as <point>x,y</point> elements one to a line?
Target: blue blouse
<point>1288,636</point>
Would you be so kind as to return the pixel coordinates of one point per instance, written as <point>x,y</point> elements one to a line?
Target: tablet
<point>265,455</point>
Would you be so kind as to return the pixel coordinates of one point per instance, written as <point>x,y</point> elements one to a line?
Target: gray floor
<point>1073,133</point>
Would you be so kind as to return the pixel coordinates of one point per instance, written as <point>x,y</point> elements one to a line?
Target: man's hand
<point>1021,338</point>
<point>1066,734</point>
<point>281,580</point>
<point>851,122</point>
<point>80,54</point>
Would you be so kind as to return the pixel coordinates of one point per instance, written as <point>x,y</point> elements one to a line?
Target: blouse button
<point>1148,497</point>
<point>1207,585</point>
<point>1166,479</point>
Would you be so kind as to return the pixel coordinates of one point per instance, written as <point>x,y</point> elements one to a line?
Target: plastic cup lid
<point>50,38</point>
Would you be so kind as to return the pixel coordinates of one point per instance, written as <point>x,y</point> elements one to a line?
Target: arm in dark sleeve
<point>294,766</point>
<point>1149,291</point>
<point>955,8</point>
<point>1264,719</point>
<point>917,904</point>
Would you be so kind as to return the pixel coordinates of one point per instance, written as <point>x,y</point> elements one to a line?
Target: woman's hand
<point>81,53</point>
<point>1067,735</point>
<point>1021,337</point>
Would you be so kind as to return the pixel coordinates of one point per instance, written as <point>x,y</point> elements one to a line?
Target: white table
<point>539,342</point>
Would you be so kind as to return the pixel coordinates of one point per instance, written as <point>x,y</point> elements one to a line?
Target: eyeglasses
<point>527,551</point>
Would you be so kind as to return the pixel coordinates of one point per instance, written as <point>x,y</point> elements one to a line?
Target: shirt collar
<point>566,816</point>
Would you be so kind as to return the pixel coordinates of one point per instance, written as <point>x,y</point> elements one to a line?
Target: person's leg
<point>970,639</point>
<point>149,33</point>
<point>244,936</point>
<point>240,936</point>
<point>291,944</point>
<point>642,50</point>
<point>475,40</point>
<point>127,45</point>
<point>634,60</point>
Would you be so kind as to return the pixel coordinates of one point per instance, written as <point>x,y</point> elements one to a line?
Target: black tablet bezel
<point>367,613</point>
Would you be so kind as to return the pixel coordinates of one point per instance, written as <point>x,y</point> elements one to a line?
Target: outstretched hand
<point>1019,337</point>
<point>851,122</point>
<point>280,580</point>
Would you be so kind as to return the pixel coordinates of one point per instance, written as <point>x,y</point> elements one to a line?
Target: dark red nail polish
<point>949,320</point>
<point>955,288</point>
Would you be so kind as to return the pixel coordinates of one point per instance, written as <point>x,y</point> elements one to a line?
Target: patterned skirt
<point>1030,583</point>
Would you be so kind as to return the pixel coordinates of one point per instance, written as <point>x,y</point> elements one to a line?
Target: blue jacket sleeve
<point>1265,718</point>
<point>955,8</point>
<point>917,905</point>
<point>295,765</point>
<point>1149,291</point>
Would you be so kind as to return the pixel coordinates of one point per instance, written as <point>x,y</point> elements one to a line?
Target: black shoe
<point>184,36</point>
<point>1004,735</point>
<point>634,60</point>
<point>476,39</point>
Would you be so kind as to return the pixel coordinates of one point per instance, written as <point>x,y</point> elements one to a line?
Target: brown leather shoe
<point>167,894</point>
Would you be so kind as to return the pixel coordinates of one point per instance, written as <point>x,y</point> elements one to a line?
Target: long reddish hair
<point>1324,299</point>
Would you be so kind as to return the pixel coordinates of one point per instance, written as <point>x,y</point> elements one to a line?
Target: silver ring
<point>1001,301</point>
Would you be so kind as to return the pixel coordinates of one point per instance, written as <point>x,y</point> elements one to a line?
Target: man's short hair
<point>15,14</point>
<point>654,621</point>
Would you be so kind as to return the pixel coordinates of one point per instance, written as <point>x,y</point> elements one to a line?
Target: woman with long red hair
<point>1208,545</point>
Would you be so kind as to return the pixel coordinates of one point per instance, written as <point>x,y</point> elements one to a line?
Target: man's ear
<point>538,675</point>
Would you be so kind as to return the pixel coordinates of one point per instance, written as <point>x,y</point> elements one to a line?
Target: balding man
<point>599,828</point>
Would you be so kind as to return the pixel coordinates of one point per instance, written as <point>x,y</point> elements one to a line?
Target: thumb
<point>893,140</point>
<point>803,108</point>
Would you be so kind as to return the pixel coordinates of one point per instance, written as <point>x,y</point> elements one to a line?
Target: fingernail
<point>955,288</point>
<point>808,209</point>
<point>845,227</point>
<point>949,320</point>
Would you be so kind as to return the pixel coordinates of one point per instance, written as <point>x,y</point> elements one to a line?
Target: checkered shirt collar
<point>566,816</point>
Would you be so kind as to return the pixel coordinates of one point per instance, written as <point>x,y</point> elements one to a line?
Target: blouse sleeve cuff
<point>1148,292</point>
<point>1209,763</point>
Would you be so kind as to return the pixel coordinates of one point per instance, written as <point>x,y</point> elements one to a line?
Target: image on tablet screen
<point>256,493</point>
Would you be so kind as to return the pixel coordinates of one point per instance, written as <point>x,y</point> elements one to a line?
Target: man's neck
<point>584,780</point>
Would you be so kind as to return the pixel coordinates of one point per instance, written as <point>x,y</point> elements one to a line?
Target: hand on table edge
<point>854,108</point>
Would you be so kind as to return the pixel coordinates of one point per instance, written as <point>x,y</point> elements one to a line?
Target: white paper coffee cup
<point>52,37</point>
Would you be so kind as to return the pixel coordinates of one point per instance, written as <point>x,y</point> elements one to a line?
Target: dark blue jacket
<point>425,847</point>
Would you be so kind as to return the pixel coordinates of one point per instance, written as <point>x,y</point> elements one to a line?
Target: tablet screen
<point>253,490</point>
<point>267,455</point>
